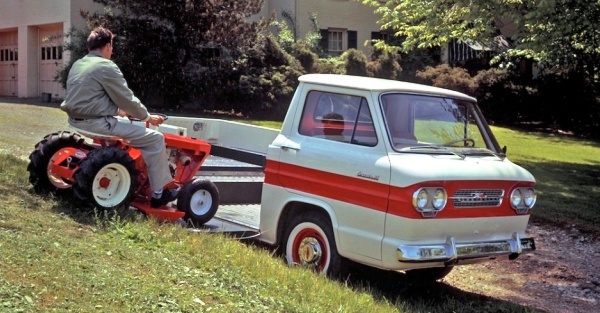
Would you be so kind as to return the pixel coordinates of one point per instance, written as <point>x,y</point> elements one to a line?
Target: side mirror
<point>504,149</point>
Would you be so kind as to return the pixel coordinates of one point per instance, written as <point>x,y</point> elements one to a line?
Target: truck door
<point>335,155</point>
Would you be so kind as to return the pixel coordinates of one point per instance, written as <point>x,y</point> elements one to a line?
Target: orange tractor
<point>105,172</point>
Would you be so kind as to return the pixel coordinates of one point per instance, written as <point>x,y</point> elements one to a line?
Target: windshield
<point>440,125</point>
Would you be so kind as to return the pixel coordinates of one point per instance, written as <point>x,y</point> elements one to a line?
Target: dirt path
<point>562,275</point>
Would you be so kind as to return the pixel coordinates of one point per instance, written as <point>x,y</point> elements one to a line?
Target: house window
<point>334,41</point>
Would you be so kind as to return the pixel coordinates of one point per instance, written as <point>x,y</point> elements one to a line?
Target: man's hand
<point>155,120</point>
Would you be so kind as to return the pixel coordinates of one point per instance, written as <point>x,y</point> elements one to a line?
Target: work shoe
<point>166,197</point>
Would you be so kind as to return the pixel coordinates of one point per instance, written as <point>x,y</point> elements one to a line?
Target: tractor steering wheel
<point>135,119</point>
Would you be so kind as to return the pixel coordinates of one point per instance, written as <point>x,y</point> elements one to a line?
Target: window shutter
<point>374,35</point>
<point>352,39</point>
<point>324,43</point>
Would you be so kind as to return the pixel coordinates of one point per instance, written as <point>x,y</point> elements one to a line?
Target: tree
<point>160,44</point>
<point>553,32</point>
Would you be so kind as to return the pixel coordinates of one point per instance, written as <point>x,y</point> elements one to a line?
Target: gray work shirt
<point>96,88</point>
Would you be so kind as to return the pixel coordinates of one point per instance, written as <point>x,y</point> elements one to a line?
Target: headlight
<point>530,197</point>
<point>422,199</point>
<point>516,198</point>
<point>522,199</point>
<point>429,201</point>
<point>439,198</point>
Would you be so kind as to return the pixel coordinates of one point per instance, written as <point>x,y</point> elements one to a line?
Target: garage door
<point>9,59</point>
<point>51,61</point>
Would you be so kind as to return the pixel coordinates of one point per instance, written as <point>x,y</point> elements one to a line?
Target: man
<point>97,92</point>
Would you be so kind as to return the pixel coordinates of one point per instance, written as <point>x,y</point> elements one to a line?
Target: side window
<point>338,117</point>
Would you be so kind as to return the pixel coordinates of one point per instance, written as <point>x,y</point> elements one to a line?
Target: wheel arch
<point>297,206</point>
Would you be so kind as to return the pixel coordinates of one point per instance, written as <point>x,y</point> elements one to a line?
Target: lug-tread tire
<point>428,275</point>
<point>199,199</point>
<point>99,161</point>
<point>42,154</point>
<point>316,228</point>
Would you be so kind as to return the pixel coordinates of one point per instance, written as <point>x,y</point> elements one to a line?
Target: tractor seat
<point>93,135</point>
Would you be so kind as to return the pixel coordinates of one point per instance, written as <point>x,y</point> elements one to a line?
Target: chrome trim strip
<point>452,252</point>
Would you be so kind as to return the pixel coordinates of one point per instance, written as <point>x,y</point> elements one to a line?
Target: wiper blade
<point>435,147</point>
<point>482,151</point>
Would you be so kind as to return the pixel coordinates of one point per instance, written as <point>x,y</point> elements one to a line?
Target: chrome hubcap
<point>309,251</point>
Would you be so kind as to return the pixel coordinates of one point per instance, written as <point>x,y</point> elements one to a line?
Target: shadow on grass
<point>568,194</point>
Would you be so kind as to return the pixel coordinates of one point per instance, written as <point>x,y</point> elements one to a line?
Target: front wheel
<point>309,242</point>
<point>199,199</point>
<point>106,179</point>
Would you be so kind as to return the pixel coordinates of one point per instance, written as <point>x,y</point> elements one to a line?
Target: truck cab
<point>393,175</point>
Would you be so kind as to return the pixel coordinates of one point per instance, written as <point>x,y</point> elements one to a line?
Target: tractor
<point>104,172</point>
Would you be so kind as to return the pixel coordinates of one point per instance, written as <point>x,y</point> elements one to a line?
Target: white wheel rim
<point>324,247</point>
<point>111,185</point>
<point>201,202</point>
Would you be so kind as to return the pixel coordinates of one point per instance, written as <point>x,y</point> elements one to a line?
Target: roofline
<point>379,85</point>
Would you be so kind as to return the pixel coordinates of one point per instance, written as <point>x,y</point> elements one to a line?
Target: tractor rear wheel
<point>45,153</point>
<point>106,179</point>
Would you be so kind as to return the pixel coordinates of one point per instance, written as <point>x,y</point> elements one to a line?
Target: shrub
<point>355,62</point>
<point>568,99</point>
<point>305,56</point>
<point>332,65</point>
<point>385,66</point>
<point>446,76</point>
<point>505,97</point>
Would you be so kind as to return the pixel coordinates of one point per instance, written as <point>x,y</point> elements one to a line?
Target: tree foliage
<point>554,32</point>
<point>160,44</point>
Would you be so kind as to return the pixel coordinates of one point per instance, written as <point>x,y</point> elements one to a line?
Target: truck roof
<point>379,85</point>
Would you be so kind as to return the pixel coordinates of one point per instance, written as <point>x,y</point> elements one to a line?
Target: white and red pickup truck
<point>394,175</point>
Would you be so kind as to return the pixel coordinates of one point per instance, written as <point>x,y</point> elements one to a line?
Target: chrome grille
<point>477,198</point>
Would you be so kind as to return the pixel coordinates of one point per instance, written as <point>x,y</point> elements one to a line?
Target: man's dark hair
<point>98,38</point>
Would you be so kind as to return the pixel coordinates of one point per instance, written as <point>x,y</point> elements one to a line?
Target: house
<point>32,35</point>
<point>343,24</point>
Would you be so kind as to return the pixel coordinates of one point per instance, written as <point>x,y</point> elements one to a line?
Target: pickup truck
<point>393,175</point>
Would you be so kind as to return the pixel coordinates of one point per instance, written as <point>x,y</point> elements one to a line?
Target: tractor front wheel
<point>106,179</point>
<point>199,199</point>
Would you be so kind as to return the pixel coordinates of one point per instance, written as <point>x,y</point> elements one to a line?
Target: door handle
<point>286,148</point>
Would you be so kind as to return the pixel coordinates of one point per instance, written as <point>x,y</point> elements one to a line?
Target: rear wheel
<point>309,242</point>
<point>55,148</point>
<point>199,199</point>
<point>106,179</point>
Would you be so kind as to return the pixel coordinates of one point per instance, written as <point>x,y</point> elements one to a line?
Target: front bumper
<point>451,252</point>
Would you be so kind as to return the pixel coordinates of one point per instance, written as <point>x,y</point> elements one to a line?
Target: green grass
<point>567,171</point>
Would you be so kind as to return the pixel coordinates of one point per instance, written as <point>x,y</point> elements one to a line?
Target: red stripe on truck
<point>376,195</point>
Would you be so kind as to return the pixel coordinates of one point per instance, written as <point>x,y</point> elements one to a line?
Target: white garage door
<point>9,59</point>
<point>51,61</point>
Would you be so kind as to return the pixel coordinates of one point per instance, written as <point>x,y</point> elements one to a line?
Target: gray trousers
<point>151,144</point>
